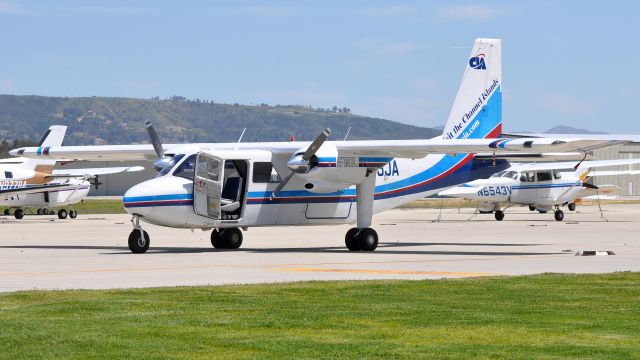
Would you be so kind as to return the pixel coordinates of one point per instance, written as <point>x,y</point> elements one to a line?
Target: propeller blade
<point>315,145</point>
<point>155,140</point>
<point>280,186</point>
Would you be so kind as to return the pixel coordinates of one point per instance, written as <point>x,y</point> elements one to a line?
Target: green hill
<point>99,120</point>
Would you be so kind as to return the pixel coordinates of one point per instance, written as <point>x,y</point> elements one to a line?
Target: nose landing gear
<point>138,239</point>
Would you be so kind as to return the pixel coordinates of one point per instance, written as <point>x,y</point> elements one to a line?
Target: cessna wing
<point>412,149</point>
<point>613,173</point>
<point>90,172</point>
<point>571,165</point>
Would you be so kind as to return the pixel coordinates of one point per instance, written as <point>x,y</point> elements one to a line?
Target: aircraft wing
<point>571,164</point>
<point>613,173</point>
<point>412,149</point>
<point>88,172</point>
<point>34,189</point>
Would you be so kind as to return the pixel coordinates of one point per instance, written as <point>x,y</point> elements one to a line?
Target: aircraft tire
<point>232,238</point>
<point>139,244</point>
<point>217,241</point>
<point>572,207</point>
<point>40,212</point>
<point>62,214</point>
<point>73,214</point>
<point>19,214</point>
<point>532,208</point>
<point>7,212</point>
<point>499,215</point>
<point>353,243</point>
<point>542,211</point>
<point>558,215</point>
<point>368,239</point>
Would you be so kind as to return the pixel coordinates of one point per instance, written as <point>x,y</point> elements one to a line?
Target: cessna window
<point>8,175</point>
<point>528,177</point>
<point>544,176</point>
<point>496,175</point>
<point>264,172</point>
<point>207,168</point>
<point>556,174</point>
<point>185,170</point>
<point>510,174</point>
<point>165,170</point>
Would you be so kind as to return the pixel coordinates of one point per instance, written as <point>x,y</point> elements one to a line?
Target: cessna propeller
<point>157,146</point>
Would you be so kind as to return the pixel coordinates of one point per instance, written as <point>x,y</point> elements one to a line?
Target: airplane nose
<point>138,200</point>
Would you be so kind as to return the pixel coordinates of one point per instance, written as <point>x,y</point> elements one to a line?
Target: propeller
<point>157,146</point>
<point>95,182</point>
<point>302,165</point>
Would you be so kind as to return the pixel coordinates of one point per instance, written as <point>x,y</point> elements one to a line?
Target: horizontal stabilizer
<point>461,191</point>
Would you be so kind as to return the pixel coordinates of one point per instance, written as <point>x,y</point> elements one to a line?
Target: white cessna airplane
<point>542,187</point>
<point>229,186</point>
<point>34,183</point>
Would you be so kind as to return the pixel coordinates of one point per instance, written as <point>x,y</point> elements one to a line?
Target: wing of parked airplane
<point>90,172</point>
<point>411,149</point>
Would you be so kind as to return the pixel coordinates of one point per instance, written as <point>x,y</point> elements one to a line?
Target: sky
<point>569,63</point>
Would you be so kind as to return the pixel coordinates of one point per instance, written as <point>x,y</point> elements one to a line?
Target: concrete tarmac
<point>90,252</point>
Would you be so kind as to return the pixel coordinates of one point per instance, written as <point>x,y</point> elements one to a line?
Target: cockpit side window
<point>175,159</point>
<point>187,168</point>
<point>499,174</point>
<point>556,174</point>
<point>509,174</point>
<point>264,172</point>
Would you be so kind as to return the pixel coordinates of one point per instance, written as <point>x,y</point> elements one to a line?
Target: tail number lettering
<point>500,190</point>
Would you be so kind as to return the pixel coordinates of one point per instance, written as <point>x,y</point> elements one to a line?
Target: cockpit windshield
<point>187,168</point>
<point>167,168</point>
<point>499,174</point>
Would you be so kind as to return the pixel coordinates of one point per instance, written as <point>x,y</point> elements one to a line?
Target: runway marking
<point>395,272</point>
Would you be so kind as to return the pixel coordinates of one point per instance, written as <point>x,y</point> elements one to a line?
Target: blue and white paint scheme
<point>238,185</point>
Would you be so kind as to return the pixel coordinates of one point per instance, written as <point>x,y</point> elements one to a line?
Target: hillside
<point>99,120</point>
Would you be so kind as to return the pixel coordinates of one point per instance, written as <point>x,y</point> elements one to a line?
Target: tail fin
<point>53,137</point>
<point>477,109</point>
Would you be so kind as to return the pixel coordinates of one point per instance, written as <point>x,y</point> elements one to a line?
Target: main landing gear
<point>226,238</point>
<point>558,215</point>
<point>361,239</point>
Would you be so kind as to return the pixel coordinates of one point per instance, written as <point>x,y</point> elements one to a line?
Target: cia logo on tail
<point>477,62</point>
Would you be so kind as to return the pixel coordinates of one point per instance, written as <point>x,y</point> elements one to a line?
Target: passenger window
<point>186,168</point>
<point>264,172</point>
<point>8,175</point>
<point>523,177</point>
<point>531,176</point>
<point>544,176</point>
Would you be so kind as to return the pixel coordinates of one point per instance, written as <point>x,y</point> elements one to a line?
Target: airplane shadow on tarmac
<point>391,248</point>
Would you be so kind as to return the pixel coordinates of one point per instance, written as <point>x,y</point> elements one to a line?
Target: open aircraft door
<point>207,185</point>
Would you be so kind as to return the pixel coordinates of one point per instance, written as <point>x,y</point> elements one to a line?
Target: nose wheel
<point>361,239</point>
<point>138,239</point>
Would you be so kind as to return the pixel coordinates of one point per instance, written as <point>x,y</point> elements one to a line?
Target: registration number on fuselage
<point>495,190</point>
<point>12,184</point>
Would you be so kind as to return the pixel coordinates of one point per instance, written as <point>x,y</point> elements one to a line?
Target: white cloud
<point>566,105</point>
<point>470,12</point>
<point>385,46</point>
<point>387,11</point>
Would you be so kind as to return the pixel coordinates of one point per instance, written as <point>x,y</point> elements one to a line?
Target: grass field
<point>97,206</point>
<point>546,316</point>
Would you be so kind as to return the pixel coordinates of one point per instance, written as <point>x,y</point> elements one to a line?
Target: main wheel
<point>572,207</point>
<point>499,215</point>
<point>7,212</point>
<point>542,211</point>
<point>62,214</point>
<point>19,214</point>
<point>217,240</point>
<point>232,238</point>
<point>139,244</point>
<point>558,215</point>
<point>73,214</point>
<point>40,211</point>
<point>353,243</point>
<point>532,208</point>
<point>368,239</point>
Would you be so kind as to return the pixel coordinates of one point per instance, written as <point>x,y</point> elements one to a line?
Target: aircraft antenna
<point>240,138</point>
<point>347,134</point>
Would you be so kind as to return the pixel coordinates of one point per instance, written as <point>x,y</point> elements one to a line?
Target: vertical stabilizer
<point>53,137</point>
<point>477,109</point>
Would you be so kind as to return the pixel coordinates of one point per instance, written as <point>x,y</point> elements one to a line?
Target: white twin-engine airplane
<point>542,187</point>
<point>229,186</point>
<point>34,183</point>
